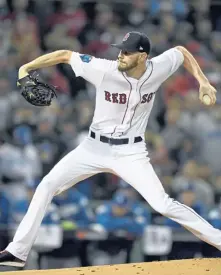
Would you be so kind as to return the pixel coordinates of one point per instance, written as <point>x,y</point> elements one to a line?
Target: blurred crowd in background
<point>183,136</point>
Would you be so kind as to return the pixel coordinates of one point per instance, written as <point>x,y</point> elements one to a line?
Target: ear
<point>145,56</point>
<point>142,58</point>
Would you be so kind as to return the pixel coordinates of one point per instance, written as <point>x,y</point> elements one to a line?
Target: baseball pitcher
<point>125,92</point>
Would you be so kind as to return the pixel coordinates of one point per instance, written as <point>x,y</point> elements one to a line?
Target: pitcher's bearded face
<point>127,60</point>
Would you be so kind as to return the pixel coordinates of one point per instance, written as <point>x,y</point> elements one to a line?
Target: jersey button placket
<point>131,106</point>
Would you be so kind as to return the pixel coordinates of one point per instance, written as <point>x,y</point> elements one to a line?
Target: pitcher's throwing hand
<point>207,94</point>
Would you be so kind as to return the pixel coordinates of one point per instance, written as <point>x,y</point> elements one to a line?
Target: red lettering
<point>114,98</point>
<point>107,96</point>
<point>147,97</point>
<point>144,98</point>
<point>122,98</point>
<point>150,97</point>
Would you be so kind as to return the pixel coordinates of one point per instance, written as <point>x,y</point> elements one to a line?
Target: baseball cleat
<point>8,259</point>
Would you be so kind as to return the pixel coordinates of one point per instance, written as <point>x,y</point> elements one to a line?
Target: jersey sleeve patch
<point>86,58</point>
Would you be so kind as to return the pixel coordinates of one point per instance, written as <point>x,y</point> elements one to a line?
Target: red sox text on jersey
<point>122,98</point>
<point>123,104</point>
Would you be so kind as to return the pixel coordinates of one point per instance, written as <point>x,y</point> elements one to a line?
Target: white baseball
<point>207,100</point>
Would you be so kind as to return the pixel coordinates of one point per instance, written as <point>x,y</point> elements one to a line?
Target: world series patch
<point>86,58</point>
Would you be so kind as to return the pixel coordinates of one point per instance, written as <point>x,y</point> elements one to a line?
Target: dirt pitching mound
<point>179,267</point>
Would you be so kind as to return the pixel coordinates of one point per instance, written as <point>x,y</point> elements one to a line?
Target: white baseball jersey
<point>123,104</point>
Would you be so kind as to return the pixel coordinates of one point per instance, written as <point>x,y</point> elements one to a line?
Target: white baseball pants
<point>130,162</point>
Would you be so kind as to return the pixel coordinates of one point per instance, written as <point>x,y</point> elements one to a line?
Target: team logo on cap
<point>126,36</point>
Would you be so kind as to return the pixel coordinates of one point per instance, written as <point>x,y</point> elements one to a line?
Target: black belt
<point>115,141</point>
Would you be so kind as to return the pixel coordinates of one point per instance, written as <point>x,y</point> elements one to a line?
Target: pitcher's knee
<point>162,206</point>
<point>47,186</point>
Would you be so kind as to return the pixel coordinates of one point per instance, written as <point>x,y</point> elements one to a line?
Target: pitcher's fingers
<point>201,96</point>
<point>214,98</point>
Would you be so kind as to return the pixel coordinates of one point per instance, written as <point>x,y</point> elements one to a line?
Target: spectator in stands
<point>57,79</point>
<point>205,172</point>
<point>203,30</point>
<point>189,176</point>
<point>66,23</point>
<point>138,14</point>
<point>192,114</point>
<point>168,24</point>
<point>210,137</point>
<point>178,8</point>
<point>68,13</point>
<point>180,249</point>
<point>172,134</point>
<point>74,210</point>
<point>4,218</point>
<point>17,211</point>
<point>22,113</point>
<point>84,119</point>
<point>68,133</point>
<point>25,33</point>
<point>12,66</point>
<point>23,138</point>
<point>4,9</point>
<point>215,40</point>
<point>214,218</point>
<point>5,102</point>
<point>48,144</point>
<point>96,36</point>
<point>217,188</point>
<point>52,43</point>
<point>188,196</point>
<point>203,125</point>
<point>155,146</point>
<point>104,186</point>
<point>124,218</point>
<point>18,156</point>
<point>76,216</point>
<point>188,150</point>
<point>159,155</point>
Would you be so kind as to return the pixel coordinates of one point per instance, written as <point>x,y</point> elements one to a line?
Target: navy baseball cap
<point>134,42</point>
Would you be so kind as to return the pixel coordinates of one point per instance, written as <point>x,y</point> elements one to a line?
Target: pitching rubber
<point>179,267</point>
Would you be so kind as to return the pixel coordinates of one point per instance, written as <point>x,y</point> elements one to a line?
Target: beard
<point>125,67</point>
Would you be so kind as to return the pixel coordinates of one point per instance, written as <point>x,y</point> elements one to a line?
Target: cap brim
<point>119,46</point>
<point>123,47</point>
